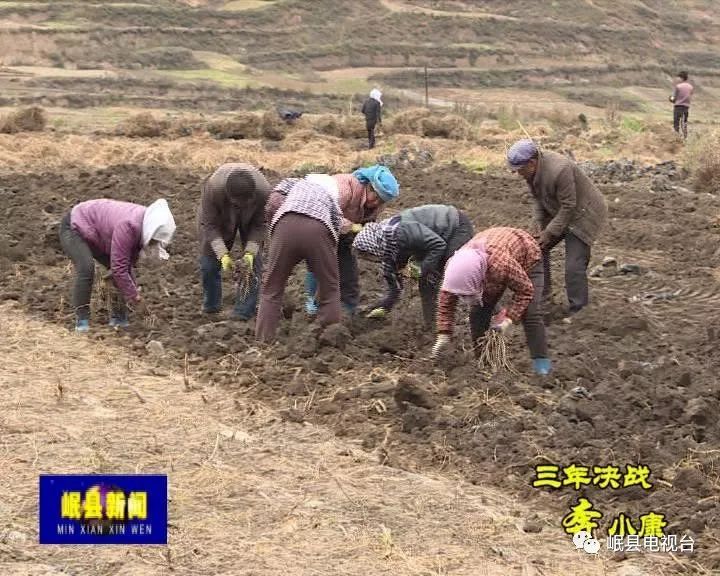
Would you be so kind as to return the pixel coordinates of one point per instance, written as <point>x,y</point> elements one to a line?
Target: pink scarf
<point>465,272</point>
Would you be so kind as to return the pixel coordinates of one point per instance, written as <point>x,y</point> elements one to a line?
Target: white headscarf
<point>159,225</point>
<point>375,94</point>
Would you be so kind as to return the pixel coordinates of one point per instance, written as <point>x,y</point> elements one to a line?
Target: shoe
<point>116,322</point>
<point>82,325</point>
<point>311,306</point>
<point>542,366</point>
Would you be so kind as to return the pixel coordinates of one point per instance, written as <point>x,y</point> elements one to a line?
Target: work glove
<point>356,228</point>
<point>414,270</point>
<point>503,326</point>
<point>441,343</point>
<point>244,267</point>
<point>377,313</point>
<point>227,263</point>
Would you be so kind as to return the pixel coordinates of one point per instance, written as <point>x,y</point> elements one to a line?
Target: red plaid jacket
<point>512,253</point>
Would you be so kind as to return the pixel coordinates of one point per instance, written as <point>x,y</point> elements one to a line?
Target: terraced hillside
<point>166,54</point>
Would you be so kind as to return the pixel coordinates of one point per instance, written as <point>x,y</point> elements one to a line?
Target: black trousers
<point>577,259</point>
<point>371,136</point>
<point>533,323</point>
<point>680,113</point>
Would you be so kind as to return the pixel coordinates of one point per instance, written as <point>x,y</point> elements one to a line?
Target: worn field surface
<point>645,352</point>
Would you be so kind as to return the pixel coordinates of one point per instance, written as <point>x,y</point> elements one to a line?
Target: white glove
<point>441,343</point>
<point>503,326</point>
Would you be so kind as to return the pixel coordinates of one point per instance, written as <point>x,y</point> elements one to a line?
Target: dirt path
<point>249,492</point>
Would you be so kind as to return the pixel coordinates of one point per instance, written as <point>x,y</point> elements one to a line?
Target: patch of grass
<point>633,124</point>
<point>237,5</point>
<point>229,79</point>
<point>478,165</point>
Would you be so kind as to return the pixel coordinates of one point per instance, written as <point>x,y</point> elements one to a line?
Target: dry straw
<point>493,353</point>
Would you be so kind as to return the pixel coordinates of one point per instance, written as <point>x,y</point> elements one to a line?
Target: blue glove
<point>542,366</point>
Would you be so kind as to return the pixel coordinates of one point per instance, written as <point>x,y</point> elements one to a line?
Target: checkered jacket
<point>311,200</point>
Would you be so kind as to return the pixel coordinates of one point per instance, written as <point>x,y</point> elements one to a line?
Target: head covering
<point>521,153</point>
<point>465,272</point>
<point>371,239</point>
<point>375,94</point>
<point>158,223</point>
<point>381,179</point>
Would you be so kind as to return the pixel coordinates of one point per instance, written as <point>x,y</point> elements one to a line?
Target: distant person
<point>232,202</point>
<point>115,234</point>
<point>568,207</point>
<point>372,108</point>
<point>681,96</point>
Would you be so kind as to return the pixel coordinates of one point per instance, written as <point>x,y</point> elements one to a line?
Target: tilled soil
<point>634,380</point>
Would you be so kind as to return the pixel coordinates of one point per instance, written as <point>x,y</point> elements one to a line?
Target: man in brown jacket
<point>232,200</point>
<point>567,207</point>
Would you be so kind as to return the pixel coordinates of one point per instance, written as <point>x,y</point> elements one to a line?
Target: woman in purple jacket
<point>116,234</point>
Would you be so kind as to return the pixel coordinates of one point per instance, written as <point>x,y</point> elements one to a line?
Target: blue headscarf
<point>382,181</point>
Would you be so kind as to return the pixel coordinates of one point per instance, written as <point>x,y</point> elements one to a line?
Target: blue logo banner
<point>103,509</point>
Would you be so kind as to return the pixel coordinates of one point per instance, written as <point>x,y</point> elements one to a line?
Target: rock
<point>409,391</point>
<point>416,418</point>
<point>327,407</point>
<point>335,336</point>
<point>527,401</point>
<point>15,537</point>
<point>687,479</point>
<point>630,269</point>
<point>685,380</point>
<point>155,348</point>
<point>628,368</point>
<point>698,411</point>
<point>532,525</point>
<point>292,415</point>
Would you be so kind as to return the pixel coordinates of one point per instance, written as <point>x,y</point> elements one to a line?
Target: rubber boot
<point>311,306</point>
<point>542,366</point>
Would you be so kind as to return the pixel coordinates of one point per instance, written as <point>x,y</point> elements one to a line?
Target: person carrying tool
<point>372,108</point>
<point>361,195</point>
<point>305,221</point>
<point>116,234</point>
<point>232,202</point>
<point>428,235</point>
<point>568,207</point>
<point>479,273</point>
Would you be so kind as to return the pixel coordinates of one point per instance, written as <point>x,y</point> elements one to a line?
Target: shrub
<point>33,119</point>
<point>702,159</point>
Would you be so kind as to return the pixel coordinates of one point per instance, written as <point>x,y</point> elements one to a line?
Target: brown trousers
<point>295,238</point>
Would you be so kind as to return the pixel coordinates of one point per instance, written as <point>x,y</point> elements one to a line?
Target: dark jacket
<point>224,211</point>
<point>422,233</point>
<point>373,112</point>
<point>566,200</point>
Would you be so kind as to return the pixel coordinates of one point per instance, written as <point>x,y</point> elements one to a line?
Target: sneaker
<point>311,306</point>
<point>82,325</point>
